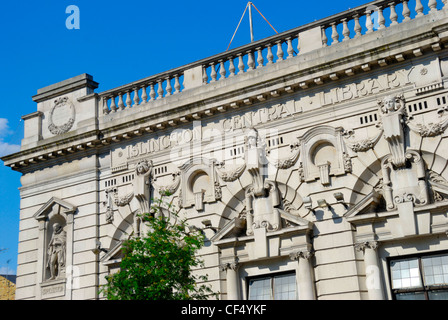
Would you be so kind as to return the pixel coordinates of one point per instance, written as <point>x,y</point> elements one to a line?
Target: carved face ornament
<point>142,167</point>
<point>389,104</point>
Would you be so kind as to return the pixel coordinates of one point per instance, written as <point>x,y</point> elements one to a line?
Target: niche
<point>200,186</point>
<point>323,154</point>
<point>198,183</point>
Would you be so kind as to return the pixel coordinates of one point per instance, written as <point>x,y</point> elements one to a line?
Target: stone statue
<point>142,184</point>
<point>262,197</point>
<point>56,251</point>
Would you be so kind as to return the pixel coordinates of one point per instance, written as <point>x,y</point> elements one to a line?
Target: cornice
<point>378,50</point>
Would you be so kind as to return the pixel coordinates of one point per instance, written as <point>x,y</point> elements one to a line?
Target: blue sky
<point>117,42</point>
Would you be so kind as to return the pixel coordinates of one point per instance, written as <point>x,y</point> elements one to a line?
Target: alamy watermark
<point>73,20</point>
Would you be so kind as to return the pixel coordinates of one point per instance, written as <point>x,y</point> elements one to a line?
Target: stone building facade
<point>7,287</point>
<point>314,161</point>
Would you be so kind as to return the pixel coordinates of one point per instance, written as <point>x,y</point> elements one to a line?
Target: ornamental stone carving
<point>62,116</point>
<point>301,254</point>
<point>232,174</point>
<point>229,266</point>
<point>363,144</point>
<point>110,196</point>
<point>262,196</point>
<point>143,167</point>
<point>362,246</point>
<point>437,178</point>
<point>409,180</point>
<point>125,200</point>
<point>431,129</point>
<point>288,162</point>
<point>393,116</point>
<point>171,188</point>
<point>142,184</point>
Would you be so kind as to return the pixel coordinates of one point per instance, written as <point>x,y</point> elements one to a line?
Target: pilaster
<point>374,281</point>
<point>304,274</point>
<point>232,279</point>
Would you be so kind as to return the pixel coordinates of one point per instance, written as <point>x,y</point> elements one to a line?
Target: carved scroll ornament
<point>288,162</point>
<point>171,188</point>
<point>231,175</point>
<point>430,129</point>
<point>364,144</point>
<point>123,201</point>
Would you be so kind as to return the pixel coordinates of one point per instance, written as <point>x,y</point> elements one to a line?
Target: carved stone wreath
<point>60,129</point>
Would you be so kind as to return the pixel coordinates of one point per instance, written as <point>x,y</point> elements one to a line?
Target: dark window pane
<point>260,289</point>
<point>410,296</point>
<point>285,287</point>
<point>438,295</point>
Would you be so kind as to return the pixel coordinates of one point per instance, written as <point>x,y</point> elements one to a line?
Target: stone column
<point>232,280</point>
<point>304,275</point>
<point>374,281</point>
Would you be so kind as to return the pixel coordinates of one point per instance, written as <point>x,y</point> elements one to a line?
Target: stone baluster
<point>334,33</point>
<point>345,30</point>
<point>279,50</point>
<point>113,106</point>
<point>144,94</point>
<point>232,279</point>
<point>213,73</point>
<point>152,92</point>
<point>120,101</point>
<point>222,69</point>
<point>304,274</point>
<point>369,23</point>
<point>159,89</point>
<point>290,49</point>
<point>381,19</point>
<point>270,55</point>
<point>204,74</point>
<point>324,37</point>
<point>406,11</point>
<point>176,84</point>
<point>419,8</point>
<point>136,97</point>
<point>260,59</point>
<point>432,4</point>
<point>169,88</point>
<point>240,63</point>
<point>105,107</point>
<point>231,67</point>
<point>250,60</point>
<point>374,282</point>
<point>393,14</point>
<point>128,99</point>
<point>357,27</point>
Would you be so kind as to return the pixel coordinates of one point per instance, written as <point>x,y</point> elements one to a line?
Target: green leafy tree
<point>158,265</point>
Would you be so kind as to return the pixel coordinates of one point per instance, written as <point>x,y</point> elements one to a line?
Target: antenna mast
<point>249,5</point>
<point>250,22</point>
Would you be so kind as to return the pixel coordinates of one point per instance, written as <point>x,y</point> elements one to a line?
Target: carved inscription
<point>52,290</point>
<point>365,88</point>
<point>249,119</point>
